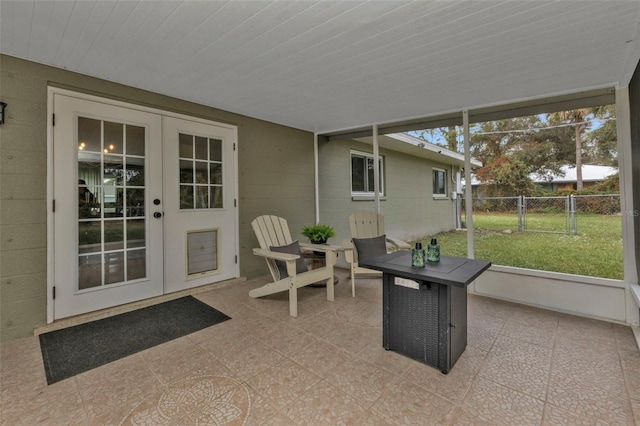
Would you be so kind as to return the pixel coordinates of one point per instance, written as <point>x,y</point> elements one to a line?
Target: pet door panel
<point>202,251</point>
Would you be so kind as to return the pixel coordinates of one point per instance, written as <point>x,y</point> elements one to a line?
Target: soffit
<point>406,144</point>
<point>324,66</point>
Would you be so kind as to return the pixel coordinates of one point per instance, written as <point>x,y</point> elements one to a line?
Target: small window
<point>439,182</point>
<point>362,182</point>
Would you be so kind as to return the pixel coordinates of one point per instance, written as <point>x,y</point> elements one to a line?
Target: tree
<point>525,140</point>
<point>447,137</point>
<point>611,185</point>
<point>451,134</point>
<point>601,143</point>
<point>576,117</point>
<point>506,177</point>
<point>539,144</point>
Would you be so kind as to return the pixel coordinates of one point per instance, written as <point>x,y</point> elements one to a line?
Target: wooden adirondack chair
<point>366,224</point>
<point>273,231</point>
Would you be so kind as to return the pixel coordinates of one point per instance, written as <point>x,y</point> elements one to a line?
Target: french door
<point>199,207</point>
<point>144,204</point>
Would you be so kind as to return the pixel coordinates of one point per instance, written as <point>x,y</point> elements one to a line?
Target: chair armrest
<point>349,251</point>
<point>274,254</point>
<point>401,245</point>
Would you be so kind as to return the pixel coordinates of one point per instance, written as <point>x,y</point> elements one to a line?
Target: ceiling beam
<point>566,102</point>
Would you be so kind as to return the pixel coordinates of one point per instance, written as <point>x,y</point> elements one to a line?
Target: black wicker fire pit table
<point>425,309</point>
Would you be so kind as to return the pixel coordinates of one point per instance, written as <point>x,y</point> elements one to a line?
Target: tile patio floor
<point>522,366</point>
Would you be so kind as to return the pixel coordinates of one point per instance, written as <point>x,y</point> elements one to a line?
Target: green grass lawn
<point>596,250</point>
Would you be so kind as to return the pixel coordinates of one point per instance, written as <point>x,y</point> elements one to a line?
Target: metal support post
<point>572,211</point>
<point>520,212</point>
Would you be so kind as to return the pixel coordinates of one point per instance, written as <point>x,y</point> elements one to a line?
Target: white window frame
<point>366,193</point>
<point>434,170</point>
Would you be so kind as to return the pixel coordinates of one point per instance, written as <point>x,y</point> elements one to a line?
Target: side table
<point>318,260</point>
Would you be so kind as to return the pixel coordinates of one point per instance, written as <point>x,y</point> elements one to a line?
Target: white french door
<point>131,221</point>
<point>199,208</point>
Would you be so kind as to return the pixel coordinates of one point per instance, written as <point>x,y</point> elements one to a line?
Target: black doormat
<point>80,348</point>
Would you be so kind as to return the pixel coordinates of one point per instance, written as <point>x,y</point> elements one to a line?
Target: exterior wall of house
<point>408,206</point>
<point>275,177</point>
<point>565,187</point>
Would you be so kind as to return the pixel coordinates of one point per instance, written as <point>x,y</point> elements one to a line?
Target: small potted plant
<point>319,233</point>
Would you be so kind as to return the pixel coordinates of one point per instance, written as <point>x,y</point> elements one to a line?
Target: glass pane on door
<point>111,203</point>
<point>201,171</point>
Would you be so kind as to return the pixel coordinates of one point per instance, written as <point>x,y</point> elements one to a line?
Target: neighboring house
<point>563,181</point>
<point>419,183</point>
<point>566,179</point>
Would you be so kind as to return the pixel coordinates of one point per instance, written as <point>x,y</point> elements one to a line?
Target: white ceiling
<point>330,65</point>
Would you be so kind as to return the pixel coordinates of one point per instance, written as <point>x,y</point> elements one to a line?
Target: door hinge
<point>54,292</point>
<point>235,202</point>
<point>234,146</point>
<point>53,206</point>
<point>236,259</point>
<point>53,119</point>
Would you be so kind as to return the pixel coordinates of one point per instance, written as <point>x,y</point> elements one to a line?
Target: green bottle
<point>433,251</point>
<point>417,256</point>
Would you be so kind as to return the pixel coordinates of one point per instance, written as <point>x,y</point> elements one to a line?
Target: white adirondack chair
<point>273,231</point>
<point>366,224</point>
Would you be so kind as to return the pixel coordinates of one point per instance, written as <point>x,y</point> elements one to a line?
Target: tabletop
<point>457,271</point>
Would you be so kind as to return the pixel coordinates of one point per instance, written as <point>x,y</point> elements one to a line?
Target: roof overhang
<point>406,144</point>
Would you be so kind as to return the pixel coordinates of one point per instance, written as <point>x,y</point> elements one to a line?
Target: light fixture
<point>3,106</point>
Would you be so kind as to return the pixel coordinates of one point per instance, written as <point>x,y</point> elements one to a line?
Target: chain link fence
<point>546,214</point>
<point>557,214</point>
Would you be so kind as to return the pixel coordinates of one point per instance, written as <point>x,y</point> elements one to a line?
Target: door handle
<point>157,215</point>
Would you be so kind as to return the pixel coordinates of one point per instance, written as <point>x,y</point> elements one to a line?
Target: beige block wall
<point>409,208</point>
<point>275,176</point>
